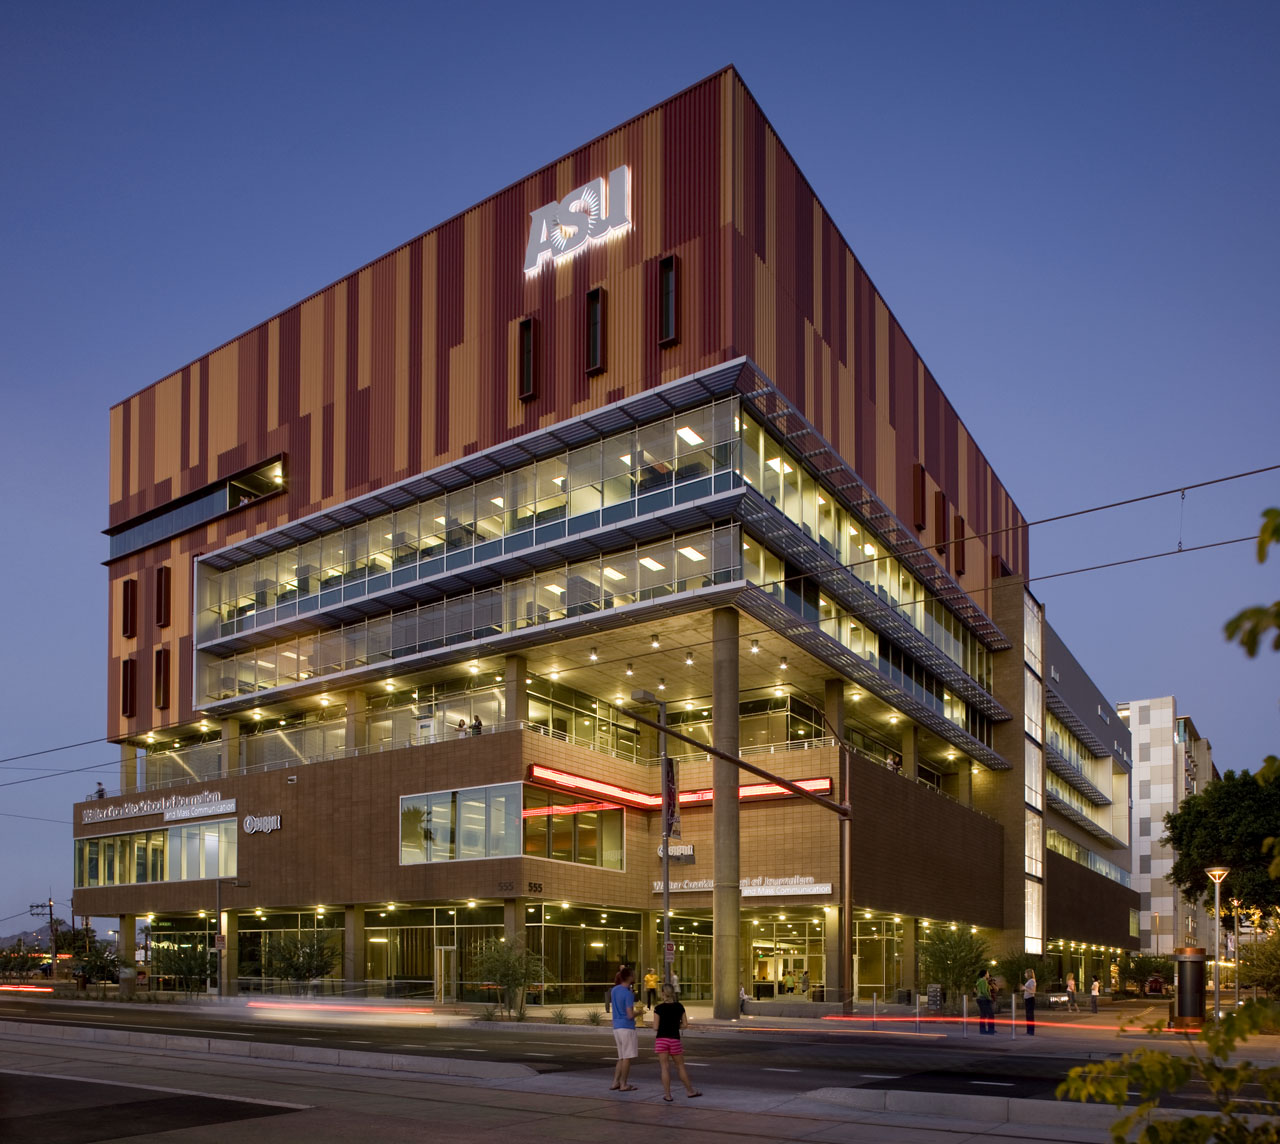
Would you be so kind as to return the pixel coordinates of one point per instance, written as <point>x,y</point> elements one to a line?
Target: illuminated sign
<point>642,801</point>
<point>589,214</point>
<point>261,823</point>
<point>758,887</point>
<point>174,807</point>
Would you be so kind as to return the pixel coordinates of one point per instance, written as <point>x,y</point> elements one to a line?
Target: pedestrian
<point>1071,994</point>
<point>986,1010</point>
<point>789,982</point>
<point>1029,1000</point>
<point>608,993</point>
<point>650,987</point>
<point>624,1031</point>
<point>462,728</point>
<point>742,1000</point>
<point>804,983</point>
<point>476,725</point>
<point>101,792</point>
<point>675,984</point>
<point>1095,988</point>
<point>669,1017</point>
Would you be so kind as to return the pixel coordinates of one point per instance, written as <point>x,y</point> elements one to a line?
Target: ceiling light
<point>688,435</point>
<point>650,563</point>
<point>654,642</point>
<point>857,695</point>
<point>625,458</point>
<point>554,589</point>
<point>691,552</point>
<point>593,656</point>
<point>497,501</point>
<point>662,685</point>
<point>777,691</point>
<point>629,670</point>
<point>775,463</point>
<point>281,722</point>
<point>389,685</point>
<point>475,669</point>
<point>820,499</point>
<point>613,573</point>
<point>688,659</point>
<point>755,647</point>
<point>440,520</point>
<point>868,549</point>
<point>782,664</point>
<point>555,675</point>
<point>324,702</point>
<point>688,705</point>
<point>893,718</point>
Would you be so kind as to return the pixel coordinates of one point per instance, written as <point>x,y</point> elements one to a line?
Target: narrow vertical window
<point>129,609</point>
<point>940,520</point>
<point>957,548</point>
<point>525,366</point>
<point>918,503</point>
<point>129,688</point>
<point>668,332</point>
<point>595,330</point>
<point>162,678</point>
<point>164,581</point>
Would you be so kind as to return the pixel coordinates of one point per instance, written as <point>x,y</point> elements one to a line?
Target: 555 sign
<point>589,214</point>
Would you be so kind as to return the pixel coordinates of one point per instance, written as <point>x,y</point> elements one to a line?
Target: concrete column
<point>726,900</point>
<point>126,938</point>
<point>833,704</point>
<point>907,956</point>
<point>964,783</point>
<point>517,693</point>
<point>835,972</point>
<point>229,986</point>
<point>353,959</point>
<point>650,943</point>
<point>230,762</point>
<point>357,716</point>
<point>128,768</point>
<point>513,921</point>
<point>910,750</point>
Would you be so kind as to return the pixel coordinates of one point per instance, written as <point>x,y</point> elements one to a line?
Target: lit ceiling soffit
<point>1083,821</point>
<point>807,635</point>
<point>652,405</point>
<point>1060,766</point>
<point>640,530</point>
<point>1073,723</point>
<point>825,463</point>
<point>502,643</point>
<point>782,536</point>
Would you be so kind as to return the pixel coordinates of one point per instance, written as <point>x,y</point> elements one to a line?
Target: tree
<point>1226,824</point>
<point>1260,963</point>
<point>1137,969</point>
<point>190,965</point>
<point>305,957</point>
<point>512,968</point>
<point>952,958</point>
<point>1013,968</point>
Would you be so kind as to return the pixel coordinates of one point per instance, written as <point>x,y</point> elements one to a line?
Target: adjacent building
<point>386,570</point>
<point>1171,761</point>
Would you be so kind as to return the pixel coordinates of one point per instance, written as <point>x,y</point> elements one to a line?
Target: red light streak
<point>323,1008</point>
<point>644,801</point>
<point>26,988</point>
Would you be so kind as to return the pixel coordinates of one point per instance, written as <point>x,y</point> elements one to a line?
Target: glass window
<point>1034,863</point>
<point>471,829</point>
<point>1034,921</point>
<point>1031,632</point>
<point>439,827</point>
<point>1033,774</point>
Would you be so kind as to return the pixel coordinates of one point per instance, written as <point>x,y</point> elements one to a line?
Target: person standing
<point>462,728</point>
<point>742,1000</point>
<point>675,983</point>
<point>804,983</point>
<point>623,1006</point>
<point>986,1010</point>
<point>476,725</point>
<point>669,1017</point>
<point>1095,988</point>
<point>1071,994</point>
<point>789,982</point>
<point>1029,1000</point>
<point>650,988</point>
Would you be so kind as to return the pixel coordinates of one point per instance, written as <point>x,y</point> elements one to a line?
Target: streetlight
<point>1235,929</point>
<point>218,939</point>
<point>670,805</point>
<point>1217,873</point>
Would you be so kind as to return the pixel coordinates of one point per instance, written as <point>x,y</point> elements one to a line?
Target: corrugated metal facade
<point>411,361</point>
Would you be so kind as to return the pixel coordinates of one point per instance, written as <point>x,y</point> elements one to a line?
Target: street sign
<point>669,952</point>
<point>220,941</point>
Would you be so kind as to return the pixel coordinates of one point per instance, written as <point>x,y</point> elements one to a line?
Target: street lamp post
<point>669,803</point>
<point>1235,929</point>
<point>1217,873</point>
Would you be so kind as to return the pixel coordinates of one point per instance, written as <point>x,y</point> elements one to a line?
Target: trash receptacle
<point>1189,995</point>
<point>903,997</point>
<point>128,982</point>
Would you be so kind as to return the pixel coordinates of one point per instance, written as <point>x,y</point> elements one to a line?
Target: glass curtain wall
<point>264,937</point>
<point>408,951</point>
<point>582,948</point>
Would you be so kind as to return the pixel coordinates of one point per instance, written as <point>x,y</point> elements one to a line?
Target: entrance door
<point>446,974</point>
<point>795,964</point>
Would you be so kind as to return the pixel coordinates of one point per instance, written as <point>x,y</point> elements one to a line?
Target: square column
<point>513,922</point>
<point>911,750</point>
<point>907,956</point>
<point>353,959</point>
<point>517,693</point>
<point>726,895</point>
<point>128,768</point>
<point>229,966</point>
<point>126,938</point>
<point>229,759</point>
<point>357,714</point>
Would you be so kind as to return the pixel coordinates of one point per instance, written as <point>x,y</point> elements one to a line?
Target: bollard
<point>1013,1015</point>
<point>873,1009</point>
<point>917,1011</point>
<point>964,1016</point>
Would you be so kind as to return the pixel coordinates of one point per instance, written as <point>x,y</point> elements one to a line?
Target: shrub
<point>594,1016</point>
<point>489,1013</point>
<point>952,959</point>
<point>512,968</point>
<point>560,1016</point>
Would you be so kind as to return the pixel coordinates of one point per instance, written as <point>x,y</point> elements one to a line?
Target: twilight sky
<point>1069,207</point>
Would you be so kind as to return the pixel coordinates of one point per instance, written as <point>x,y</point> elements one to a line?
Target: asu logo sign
<point>589,214</point>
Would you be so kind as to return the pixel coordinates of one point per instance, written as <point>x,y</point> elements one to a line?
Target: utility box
<point>1188,1012</point>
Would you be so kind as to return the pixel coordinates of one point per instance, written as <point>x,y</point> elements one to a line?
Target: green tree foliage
<point>1153,1074</point>
<point>510,967</point>
<point>1013,969</point>
<point>952,958</point>
<point>1137,969</point>
<point>190,965</point>
<point>305,957</point>
<point>1260,963</point>
<point>1226,824</point>
<point>17,962</point>
<point>1251,626</point>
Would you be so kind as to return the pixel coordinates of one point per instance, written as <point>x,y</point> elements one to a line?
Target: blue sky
<point>1070,208</point>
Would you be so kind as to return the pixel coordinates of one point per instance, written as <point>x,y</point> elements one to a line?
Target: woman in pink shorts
<point>669,1018</point>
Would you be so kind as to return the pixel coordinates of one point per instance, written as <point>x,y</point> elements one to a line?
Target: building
<point>1171,761</point>
<point>386,569</point>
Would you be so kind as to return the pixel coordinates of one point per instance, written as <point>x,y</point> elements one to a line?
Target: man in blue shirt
<point>622,1003</point>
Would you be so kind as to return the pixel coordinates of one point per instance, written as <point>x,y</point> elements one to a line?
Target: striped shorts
<point>670,1045</point>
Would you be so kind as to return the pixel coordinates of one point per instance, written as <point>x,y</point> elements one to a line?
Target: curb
<point>266,1050</point>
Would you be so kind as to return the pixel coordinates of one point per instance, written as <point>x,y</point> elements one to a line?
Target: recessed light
<point>497,501</point>
<point>755,647</point>
<point>654,642</point>
<point>662,685</point>
<point>687,434</point>
<point>593,656</point>
<point>782,664</point>
<point>653,565</point>
<point>613,573</point>
<point>691,552</point>
<point>688,659</point>
<point>629,671</point>
<point>554,589</point>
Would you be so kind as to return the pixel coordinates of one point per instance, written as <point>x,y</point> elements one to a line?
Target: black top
<point>670,1014</point>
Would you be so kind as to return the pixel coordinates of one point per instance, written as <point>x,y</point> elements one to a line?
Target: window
<point>918,494</point>
<point>1033,775</point>
<point>1033,861</point>
<point>129,688</point>
<point>164,583</point>
<point>958,565</point>
<point>527,382</point>
<point>668,332</point>
<point>1033,704</point>
<point>940,521</point>
<point>162,678</point>
<point>129,609</point>
<point>1034,922</point>
<point>595,330</point>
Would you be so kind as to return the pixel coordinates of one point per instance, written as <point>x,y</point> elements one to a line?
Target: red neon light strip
<point>654,802</point>
<point>576,808</point>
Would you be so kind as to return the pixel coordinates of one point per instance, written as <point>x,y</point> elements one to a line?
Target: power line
<point>35,818</point>
<point>1151,556</point>
<point>53,750</point>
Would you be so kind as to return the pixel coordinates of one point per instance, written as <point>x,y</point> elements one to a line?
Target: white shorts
<point>628,1044</point>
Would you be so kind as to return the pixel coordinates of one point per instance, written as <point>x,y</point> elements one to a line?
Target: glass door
<point>446,974</point>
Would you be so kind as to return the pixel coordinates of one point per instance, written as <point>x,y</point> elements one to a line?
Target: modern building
<point>1171,761</point>
<point>386,570</point>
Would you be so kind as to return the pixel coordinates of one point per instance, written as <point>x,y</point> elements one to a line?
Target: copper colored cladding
<point>410,362</point>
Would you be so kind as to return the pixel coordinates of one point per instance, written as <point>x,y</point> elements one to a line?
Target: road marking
<point>308,1038</point>
<point>147,1028</point>
<point>692,1064</point>
<point>350,1042</point>
<point>881,1076</point>
<point>567,1044</point>
<point>475,1050</point>
<point>157,1088</point>
<point>994,1083</point>
<point>539,1054</point>
<point>781,1070</point>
